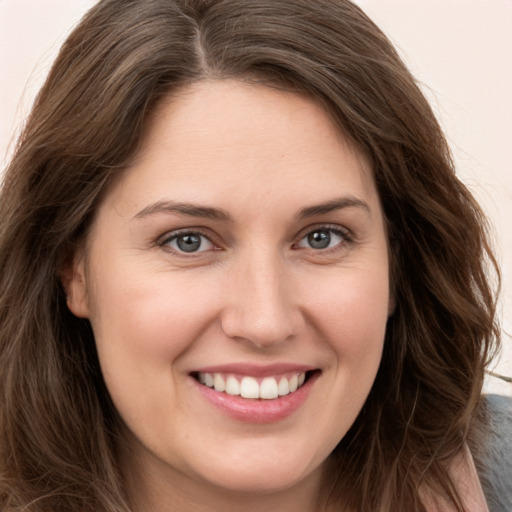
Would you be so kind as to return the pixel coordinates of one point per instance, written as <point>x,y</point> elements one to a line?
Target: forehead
<point>220,140</point>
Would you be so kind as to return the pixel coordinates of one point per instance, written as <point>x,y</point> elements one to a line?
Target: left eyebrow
<point>332,205</point>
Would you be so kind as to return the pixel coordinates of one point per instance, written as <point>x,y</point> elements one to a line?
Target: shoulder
<point>495,469</point>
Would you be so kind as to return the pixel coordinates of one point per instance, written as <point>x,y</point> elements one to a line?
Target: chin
<point>262,477</point>
<point>252,482</point>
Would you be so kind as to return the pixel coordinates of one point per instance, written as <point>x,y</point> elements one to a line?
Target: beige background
<point>460,51</point>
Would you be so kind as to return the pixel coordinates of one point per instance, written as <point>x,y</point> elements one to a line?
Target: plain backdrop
<point>459,50</point>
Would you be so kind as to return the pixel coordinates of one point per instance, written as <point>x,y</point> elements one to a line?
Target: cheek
<point>152,318</point>
<point>351,315</point>
<point>143,327</point>
<point>352,309</point>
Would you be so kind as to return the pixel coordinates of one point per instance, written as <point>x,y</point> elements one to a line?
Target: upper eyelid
<point>174,233</point>
<point>329,227</point>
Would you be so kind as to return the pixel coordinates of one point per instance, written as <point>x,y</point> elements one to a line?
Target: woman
<point>238,272</point>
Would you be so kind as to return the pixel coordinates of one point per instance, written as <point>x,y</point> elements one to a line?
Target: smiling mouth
<point>267,388</point>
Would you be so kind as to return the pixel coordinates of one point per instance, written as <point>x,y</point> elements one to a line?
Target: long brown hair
<point>57,425</point>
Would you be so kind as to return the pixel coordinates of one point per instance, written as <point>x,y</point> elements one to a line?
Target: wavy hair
<point>58,426</point>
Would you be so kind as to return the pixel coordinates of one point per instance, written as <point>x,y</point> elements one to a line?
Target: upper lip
<point>255,370</point>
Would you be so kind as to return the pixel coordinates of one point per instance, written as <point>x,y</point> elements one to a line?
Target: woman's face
<point>244,249</point>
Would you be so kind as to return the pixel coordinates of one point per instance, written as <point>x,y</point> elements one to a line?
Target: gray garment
<point>495,470</point>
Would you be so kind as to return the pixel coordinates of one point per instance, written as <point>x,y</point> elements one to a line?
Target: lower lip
<point>251,410</point>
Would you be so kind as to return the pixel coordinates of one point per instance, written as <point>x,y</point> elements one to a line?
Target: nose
<point>261,308</point>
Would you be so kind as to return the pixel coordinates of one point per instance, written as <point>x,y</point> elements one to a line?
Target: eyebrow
<point>190,209</point>
<point>332,205</point>
<point>208,212</point>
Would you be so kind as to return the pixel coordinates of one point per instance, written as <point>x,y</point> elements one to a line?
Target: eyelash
<point>337,230</point>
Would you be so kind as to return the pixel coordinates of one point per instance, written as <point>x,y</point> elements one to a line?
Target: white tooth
<point>208,379</point>
<point>249,388</point>
<point>302,378</point>
<point>284,387</point>
<point>268,388</point>
<point>294,383</point>
<point>218,382</point>
<point>200,378</point>
<point>232,386</point>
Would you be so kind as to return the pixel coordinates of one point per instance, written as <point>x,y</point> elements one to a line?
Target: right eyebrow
<point>189,209</point>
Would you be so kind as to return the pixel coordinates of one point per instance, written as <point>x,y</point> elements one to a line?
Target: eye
<point>188,242</point>
<point>322,238</point>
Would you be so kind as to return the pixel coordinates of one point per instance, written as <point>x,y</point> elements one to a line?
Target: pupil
<point>189,243</point>
<point>319,239</point>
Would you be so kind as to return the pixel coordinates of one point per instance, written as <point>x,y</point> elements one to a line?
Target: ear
<point>74,282</point>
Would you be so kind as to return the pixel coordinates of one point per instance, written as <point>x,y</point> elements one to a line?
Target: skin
<point>256,292</point>
<point>465,479</point>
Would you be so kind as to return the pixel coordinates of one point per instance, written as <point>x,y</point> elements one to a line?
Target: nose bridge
<point>260,307</point>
